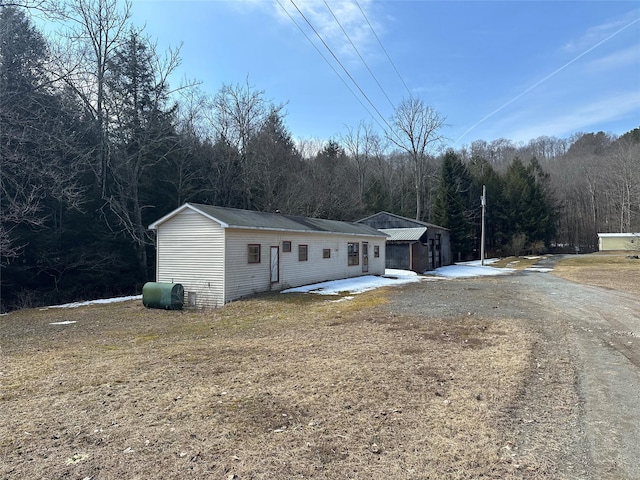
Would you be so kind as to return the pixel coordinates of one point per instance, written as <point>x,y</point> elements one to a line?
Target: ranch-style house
<point>221,254</point>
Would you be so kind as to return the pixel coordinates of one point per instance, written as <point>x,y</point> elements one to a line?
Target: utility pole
<point>483,201</point>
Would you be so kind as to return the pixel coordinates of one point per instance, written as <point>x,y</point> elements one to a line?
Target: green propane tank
<point>169,296</point>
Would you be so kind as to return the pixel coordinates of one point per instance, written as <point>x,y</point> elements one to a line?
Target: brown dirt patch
<point>278,386</point>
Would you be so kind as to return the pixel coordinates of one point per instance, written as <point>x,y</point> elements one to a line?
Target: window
<point>353,253</point>
<point>286,246</point>
<point>303,253</point>
<point>253,253</point>
<point>326,253</point>
<point>376,251</point>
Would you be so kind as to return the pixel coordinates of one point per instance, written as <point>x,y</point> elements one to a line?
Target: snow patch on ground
<point>358,284</point>
<point>95,302</point>
<point>470,269</point>
<point>398,277</point>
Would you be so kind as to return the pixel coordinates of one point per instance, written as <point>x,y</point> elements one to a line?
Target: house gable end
<point>389,220</point>
<point>179,210</point>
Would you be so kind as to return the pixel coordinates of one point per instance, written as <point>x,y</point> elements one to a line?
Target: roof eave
<point>320,232</point>
<point>172,214</point>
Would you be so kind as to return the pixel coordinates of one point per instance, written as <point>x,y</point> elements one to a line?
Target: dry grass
<point>608,270</point>
<point>272,387</point>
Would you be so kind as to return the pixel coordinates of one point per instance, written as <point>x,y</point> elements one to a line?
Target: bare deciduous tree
<point>361,145</point>
<point>309,147</point>
<point>98,28</point>
<point>238,112</point>
<point>416,130</point>
<point>191,127</point>
<point>624,171</point>
<point>51,8</point>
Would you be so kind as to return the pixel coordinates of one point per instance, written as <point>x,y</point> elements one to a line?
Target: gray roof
<point>388,220</point>
<point>404,234</point>
<point>248,219</point>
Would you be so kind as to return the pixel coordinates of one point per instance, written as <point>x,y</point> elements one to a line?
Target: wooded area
<point>95,144</point>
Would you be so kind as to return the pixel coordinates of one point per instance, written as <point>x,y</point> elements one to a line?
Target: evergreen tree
<point>529,212</point>
<point>142,138</point>
<point>452,208</point>
<point>275,166</point>
<point>496,223</point>
<point>329,186</point>
<point>221,169</point>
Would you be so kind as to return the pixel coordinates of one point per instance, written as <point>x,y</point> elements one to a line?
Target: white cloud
<point>329,20</point>
<point>583,117</point>
<point>616,60</point>
<point>602,32</point>
<point>614,107</point>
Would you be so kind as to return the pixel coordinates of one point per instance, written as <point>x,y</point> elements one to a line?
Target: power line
<point>343,67</point>
<point>358,52</point>
<point>383,49</point>
<point>328,62</point>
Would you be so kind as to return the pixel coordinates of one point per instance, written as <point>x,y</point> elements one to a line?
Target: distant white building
<point>222,254</point>
<point>618,241</point>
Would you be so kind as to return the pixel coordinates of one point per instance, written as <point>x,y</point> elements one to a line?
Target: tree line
<point>96,144</point>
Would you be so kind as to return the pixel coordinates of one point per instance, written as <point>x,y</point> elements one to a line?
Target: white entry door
<point>275,264</point>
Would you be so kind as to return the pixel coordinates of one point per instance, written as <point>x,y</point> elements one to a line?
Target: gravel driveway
<point>581,406</point>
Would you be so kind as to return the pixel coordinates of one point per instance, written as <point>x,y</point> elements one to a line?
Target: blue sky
<point>494,69</point>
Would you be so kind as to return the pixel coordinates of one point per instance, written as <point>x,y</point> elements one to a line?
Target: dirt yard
<point>441,379</point>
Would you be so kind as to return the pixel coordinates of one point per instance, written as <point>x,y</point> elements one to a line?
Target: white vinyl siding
<point>316,268</point>
<point>619,241</point>
<point>190,251</point>
<point>246,279</point>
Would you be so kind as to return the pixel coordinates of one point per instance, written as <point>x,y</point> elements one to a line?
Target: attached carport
<point>408,249</point>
